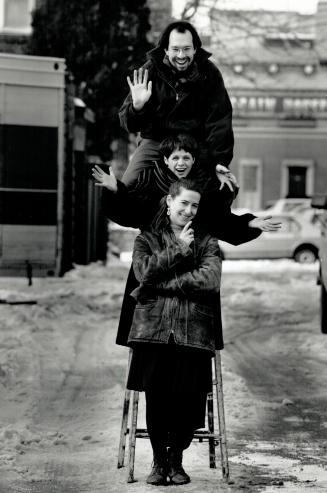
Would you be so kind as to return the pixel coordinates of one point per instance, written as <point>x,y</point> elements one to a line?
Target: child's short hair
<point>177,142</point>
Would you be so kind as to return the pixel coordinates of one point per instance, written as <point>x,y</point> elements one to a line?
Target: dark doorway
<point>297,181</point>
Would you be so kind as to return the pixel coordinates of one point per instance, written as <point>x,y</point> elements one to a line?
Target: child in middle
<point>136,207</point>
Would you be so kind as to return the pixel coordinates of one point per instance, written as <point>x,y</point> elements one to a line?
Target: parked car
<point>320,202</point>
<point>298,238</point>
<point>282,206</point>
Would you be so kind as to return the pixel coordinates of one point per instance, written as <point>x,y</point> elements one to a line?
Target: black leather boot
<point>158,474</point>
<point>176,471</point>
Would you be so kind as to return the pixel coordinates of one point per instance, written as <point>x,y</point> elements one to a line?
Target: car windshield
<point>289,225</point>
<point>291,206</point>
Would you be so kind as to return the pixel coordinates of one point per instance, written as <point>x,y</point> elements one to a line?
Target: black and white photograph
<point>163,246</point>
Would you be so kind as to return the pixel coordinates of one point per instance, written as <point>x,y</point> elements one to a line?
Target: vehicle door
<point>276,244</point>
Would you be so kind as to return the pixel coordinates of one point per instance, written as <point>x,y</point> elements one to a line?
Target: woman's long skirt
<point>182,374</point>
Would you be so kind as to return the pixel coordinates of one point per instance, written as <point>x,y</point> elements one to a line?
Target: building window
<point>250,183</point>
<point>297,178</point>
<point>15,15</point>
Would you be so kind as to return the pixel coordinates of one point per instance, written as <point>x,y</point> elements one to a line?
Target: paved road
<point>62,380</point>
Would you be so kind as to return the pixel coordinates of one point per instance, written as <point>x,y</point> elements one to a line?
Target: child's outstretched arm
<point>265,223</point>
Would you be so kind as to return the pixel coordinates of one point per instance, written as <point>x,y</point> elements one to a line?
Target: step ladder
<point>214,438</point>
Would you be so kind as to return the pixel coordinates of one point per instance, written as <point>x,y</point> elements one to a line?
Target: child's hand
<point>187,234</point>
<point>265,224</point>
<point>226,178</point>
<point>104,179</point>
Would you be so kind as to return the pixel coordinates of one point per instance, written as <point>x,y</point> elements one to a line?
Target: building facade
<point>274,67</point>
<point>50,213</point>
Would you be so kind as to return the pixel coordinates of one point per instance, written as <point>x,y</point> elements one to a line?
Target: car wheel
<point>305,256</point>
<point>323,308</point>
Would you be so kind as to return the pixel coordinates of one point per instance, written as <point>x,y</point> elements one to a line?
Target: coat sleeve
<point>151,267</point>
<point>233,229</point>
<point>129,207</point>
<point>202,280</point>
<point>130,119</point>
<point>215,217</point>
<point>218,145</point>
<point>116,205</point>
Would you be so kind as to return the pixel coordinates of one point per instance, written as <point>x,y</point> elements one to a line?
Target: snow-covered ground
<point>62,382</point>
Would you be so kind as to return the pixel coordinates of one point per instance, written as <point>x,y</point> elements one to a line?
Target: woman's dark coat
<point>178,290</point>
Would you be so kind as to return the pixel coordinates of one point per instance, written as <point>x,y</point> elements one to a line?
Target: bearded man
<point>179,90</point>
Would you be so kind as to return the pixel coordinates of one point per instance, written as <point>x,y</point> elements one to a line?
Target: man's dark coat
<point>197,104</point>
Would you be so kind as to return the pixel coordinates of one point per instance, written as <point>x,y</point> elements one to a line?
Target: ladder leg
<point>221,417</point>
<point>123,430</point>
<point>211,428</point>
<point>132,438</point>
<point>124,422</point>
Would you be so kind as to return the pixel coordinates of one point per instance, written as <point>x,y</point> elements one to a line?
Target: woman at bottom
<point>173,330</point>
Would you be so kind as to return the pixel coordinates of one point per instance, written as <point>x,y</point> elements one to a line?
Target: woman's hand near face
<point>103,179</point>
<point>187,233</point>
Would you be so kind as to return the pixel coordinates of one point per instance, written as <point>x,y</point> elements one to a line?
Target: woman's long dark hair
<point>161,219</point>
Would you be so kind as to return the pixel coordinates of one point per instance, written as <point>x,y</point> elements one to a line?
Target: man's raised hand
<point>103,179</point>
<point>141,89</point>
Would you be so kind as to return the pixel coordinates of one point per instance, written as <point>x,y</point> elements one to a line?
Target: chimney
<point>321,31</point>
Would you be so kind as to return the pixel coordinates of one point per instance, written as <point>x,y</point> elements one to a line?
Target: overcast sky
<point>304,6</point>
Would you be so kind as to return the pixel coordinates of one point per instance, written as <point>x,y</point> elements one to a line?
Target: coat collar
<point>163,176</point>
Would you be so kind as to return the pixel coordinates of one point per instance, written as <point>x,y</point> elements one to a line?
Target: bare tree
<point>248,36</point>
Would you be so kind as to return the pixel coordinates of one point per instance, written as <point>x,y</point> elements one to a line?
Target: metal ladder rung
<point>199,434</point>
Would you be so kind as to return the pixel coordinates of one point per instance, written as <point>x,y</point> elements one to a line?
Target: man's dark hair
<point>181,27</point>
<point>183,142</point>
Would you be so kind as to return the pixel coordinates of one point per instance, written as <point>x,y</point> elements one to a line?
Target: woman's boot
<point>176,471</point>
<point>158,474</point>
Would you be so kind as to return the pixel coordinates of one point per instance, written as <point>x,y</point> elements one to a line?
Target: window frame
<point>309,164</point>
<point>258,164</point>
